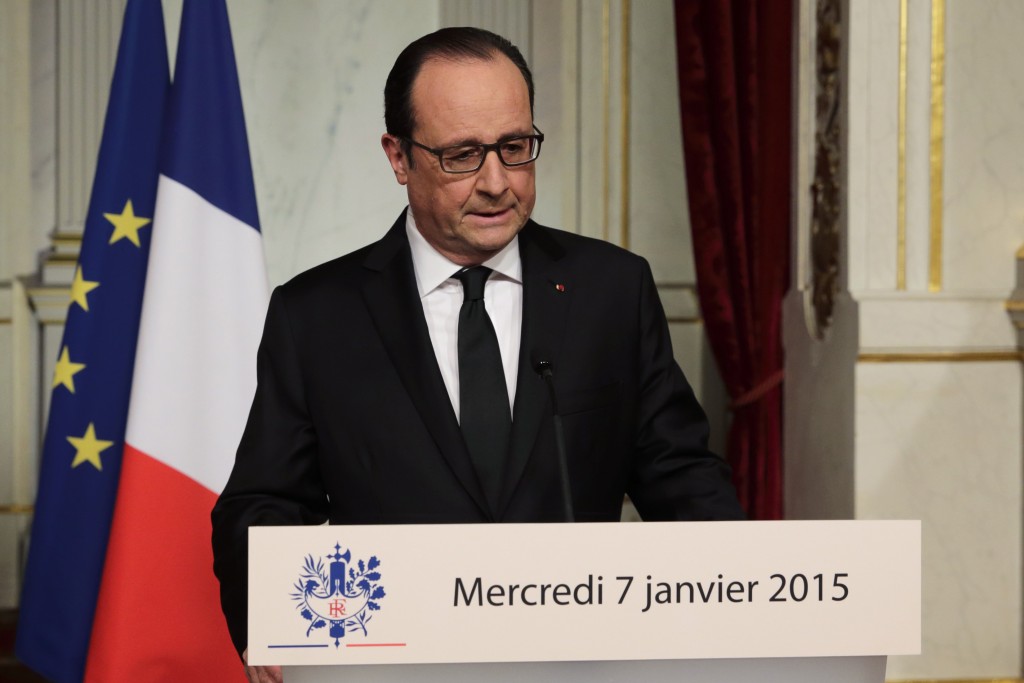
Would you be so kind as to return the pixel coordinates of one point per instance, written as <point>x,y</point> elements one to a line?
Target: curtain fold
<point>734,68</point>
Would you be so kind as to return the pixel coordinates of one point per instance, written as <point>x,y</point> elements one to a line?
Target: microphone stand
<point>545,370</point>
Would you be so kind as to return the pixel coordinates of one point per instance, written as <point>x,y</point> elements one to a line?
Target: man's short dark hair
<point>456,43</point>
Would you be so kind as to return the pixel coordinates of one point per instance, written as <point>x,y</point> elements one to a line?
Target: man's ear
<point>396,155</point>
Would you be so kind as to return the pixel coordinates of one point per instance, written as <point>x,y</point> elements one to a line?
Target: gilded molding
<point>938,79</point>
<point>606,107</point>
<point>959,680</point>
<point>943,357</point>
<point>17,509</point>
<point>625,95</point>
<point>825,189</point>
<point>1015,304</point>
<point>901,191</point>
<point>37,292</point>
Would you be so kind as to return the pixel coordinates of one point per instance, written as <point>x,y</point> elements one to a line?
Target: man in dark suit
<point>390,393</point>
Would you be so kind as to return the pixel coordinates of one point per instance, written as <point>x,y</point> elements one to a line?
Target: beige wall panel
<point>659,217</point>
<point>312,77</point>
<point>984,174</point>
<point>940,442</point>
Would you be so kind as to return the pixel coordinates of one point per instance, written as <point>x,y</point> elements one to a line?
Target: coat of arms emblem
<point>341,595</point>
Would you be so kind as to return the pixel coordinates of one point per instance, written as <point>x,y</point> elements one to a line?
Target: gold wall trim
<point>5,321</point>
<point>625,95</point>
<point>901,191</point>
<point>958,680</point>
<point>17,509</point>
<point>56,290</point>
<point>606,108</point>
<point>1020,252</point>
<point>938,79</point>
<point>685,320</point>
<point>1015,305</point>
<point>943,357</point>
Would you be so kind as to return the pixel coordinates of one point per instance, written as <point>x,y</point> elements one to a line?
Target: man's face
<point>467,217</point>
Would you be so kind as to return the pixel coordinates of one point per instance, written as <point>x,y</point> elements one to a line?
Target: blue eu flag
<point>81,458</point>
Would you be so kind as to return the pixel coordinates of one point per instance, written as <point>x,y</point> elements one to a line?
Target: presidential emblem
<point>343,595</point>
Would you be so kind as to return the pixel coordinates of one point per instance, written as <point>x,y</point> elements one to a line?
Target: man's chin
<point>477,245</point>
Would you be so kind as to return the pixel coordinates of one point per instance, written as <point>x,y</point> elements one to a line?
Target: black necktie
<point>483,396</point>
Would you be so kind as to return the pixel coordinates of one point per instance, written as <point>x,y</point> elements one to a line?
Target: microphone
<point>546,370</point>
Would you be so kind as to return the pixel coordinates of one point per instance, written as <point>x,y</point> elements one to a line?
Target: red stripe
<point>158,617</point>
<point>376,645</point>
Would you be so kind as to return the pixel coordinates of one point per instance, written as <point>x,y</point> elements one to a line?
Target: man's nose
<point>492,178</point>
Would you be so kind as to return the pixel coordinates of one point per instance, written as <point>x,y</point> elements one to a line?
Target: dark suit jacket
<point>351,421</point>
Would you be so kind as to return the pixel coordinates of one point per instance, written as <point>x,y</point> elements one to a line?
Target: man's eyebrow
<point>464,142</point>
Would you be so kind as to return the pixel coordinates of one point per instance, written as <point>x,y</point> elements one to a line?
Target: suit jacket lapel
<point>545,309</point>
<point>393,302</point>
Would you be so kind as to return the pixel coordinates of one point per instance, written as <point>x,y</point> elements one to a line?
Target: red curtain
<point>734,60</point>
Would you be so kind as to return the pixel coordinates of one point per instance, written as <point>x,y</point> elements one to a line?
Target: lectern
<point>718,601</point>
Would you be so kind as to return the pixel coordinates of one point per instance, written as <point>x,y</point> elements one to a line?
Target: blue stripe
<point>205,147</point>
<point>293,646</point>
<point>74,507</point>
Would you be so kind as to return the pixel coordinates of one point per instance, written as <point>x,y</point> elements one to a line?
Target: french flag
<point>158,616</point>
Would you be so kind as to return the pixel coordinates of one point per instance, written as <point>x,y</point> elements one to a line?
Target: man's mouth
<point>490,213</point>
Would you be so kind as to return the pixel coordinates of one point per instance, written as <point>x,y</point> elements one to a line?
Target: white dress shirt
<point>441,296</point>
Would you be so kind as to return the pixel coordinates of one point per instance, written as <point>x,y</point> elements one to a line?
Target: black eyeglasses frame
<point>495,147</point>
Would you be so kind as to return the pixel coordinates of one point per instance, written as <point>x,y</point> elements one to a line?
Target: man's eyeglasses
<point>515,151</point>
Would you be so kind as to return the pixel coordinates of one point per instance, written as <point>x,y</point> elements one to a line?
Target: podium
<point>775,670</point>
<point>717,601</point>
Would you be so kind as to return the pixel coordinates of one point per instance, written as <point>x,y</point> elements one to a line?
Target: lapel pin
<point>560,287</point>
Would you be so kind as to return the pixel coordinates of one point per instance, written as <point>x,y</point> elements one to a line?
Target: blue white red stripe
<point>158,616</point>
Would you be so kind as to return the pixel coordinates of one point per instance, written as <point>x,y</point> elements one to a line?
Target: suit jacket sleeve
<point>675,476</point>
<point>275,480</point>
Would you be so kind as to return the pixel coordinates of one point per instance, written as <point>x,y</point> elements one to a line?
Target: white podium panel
<point>809,670</point>
<point>584,595</point>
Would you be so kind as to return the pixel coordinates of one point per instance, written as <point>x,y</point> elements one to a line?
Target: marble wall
<point>984,164</point>
<point>941,442</point>
<point>912,406</point>
<point>312,75</point>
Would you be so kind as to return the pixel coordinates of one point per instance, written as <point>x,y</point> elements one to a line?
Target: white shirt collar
<point>432,269</point>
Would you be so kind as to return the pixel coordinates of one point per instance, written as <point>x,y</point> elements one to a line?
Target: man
<point>387,392</point>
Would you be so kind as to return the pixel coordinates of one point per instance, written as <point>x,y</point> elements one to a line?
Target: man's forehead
<point>459,68</point>
<point>457,93</point>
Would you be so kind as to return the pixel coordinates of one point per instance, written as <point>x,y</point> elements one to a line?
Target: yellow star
<point>65,370</point>
<point>88,448</point>
<point>80,287</point>
<point>126,224</point>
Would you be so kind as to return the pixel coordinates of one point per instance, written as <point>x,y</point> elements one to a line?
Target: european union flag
<point>81,459</point>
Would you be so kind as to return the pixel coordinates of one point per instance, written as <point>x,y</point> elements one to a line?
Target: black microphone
<point>546,370</point>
